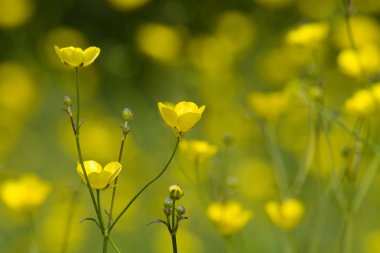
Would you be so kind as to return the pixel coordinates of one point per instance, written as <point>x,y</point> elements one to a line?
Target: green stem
<point>33,235</point>
<point>113,245</point>
<point>105,243</point>
<point>174,243</point>
<point>174,229</point>
<point>347,234</point>
<point>68,227</point>
<point>146,186</point>
<point>125,132</point>
<point>76,127</point>
<point>275,153</point>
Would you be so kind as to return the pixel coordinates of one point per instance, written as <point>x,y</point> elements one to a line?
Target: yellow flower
<point>26,193</point>
<point>198,150</point>
<point>285,215</point>
<point>365,59</point>
<point>99,177</point>
<point>181,117</point>
<point>308,34</point>
<point>363,102</point>
<point>269,106</point>
<point>229,218</point>
<point>77,57</point>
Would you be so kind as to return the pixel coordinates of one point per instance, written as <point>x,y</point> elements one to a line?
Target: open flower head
<point>77,57</point>
<point>26,193</point>
<point>198,150</point>
<point>285,215</point>
<point>181,117</point>
<point>362,103</point>
<point>229,218</point>
<point>99,177</point>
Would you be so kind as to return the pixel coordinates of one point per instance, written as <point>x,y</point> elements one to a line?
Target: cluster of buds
<point>174,214</point>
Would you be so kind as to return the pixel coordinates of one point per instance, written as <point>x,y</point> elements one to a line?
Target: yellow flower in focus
<point>363,102</point>
<point>269,106</point>
<point>198,150</point>
<point>160,42</point>
<point>26,193</point>
<point>77,57</point>
<point>99,177</point>
<point>356,63</point>
<point>181,117</point>
<point>229,218</point>
<point>307,35</point>
<point>285,215</point>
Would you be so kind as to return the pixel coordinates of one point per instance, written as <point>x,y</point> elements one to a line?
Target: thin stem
<point>33,234</point>
<point>113,245</point>
<point>174,229</point>
<point>125,132</point>
<point>275,153</point>
<point>174,243</point>
<point>105,243</point>
<point>78,97</point>
<point>67,230</point>
<point>146,186</point>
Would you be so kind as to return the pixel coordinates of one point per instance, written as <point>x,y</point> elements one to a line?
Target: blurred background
<point>214,53</point>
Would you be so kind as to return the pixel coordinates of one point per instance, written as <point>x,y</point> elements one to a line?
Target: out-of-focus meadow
<point>287,155</point>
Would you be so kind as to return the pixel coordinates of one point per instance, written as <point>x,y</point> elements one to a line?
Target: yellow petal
<point>187,121</point>
<point>99,180</point>
<point>90,54</point>
<point>168,114</point>
<point>58,52</point>
<point>184,107</point>
<point>91,167</point>
<point>72,56</point>
<point>201,109</point>
<point>114,169</point>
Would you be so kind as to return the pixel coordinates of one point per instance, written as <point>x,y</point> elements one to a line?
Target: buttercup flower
<point>361,103</point>
<point>99,177</point>
<point>308,34</point>
<point>25,194</point>
<point>198,149</point>
<point>285,215</point>
<point>269,106</point>
<point>181,117</point>
<point>229,218</point>
<point>77,57</point>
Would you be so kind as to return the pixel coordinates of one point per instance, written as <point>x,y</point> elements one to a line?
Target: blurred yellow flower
<point>229,218</point>
<point>307,35</point>
<point>365,30</point>
<point>269,106</point>
<point>275,3</point>
<point>363,102</point>
<point>365,60</point>
<point>77,57</point>
<point>14,13</point>
<point>181,117</point>
<point>127,5</point>
<point>285,215</point>
<point>26,193</point>
<point>160,42</point>
<point>99,177</point>
<point>198,150</point>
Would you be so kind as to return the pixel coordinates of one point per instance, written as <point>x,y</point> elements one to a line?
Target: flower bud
<point>168,203</point>
<point>127,114</point>
<point>175,192</point>
<point>67,101</point>
<point>180,210</point>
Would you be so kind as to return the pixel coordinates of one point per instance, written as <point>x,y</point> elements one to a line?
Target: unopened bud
<point>180,210</point>
<point>67,101</point>
<point>175,192</point>
<point>127,114</point>
<point>168,203</point>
